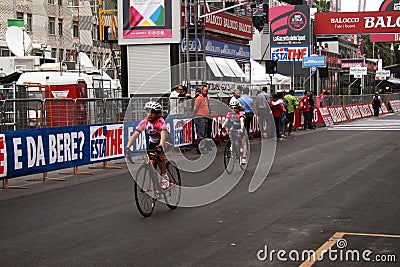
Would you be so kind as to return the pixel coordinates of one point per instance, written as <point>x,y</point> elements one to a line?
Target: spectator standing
<point>306,109</point>
<point>173,100</point>
<point>261,105</point>
<point>282,101</point>
<point>312,104</point>
<point>376,104</point>
<point>247,102</point>
<point>291,108</point>
<point>277,109</point>
<point>322,99</point>
<point>201,112</point>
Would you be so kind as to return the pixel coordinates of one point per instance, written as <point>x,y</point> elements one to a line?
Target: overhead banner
<point>290,25</point>
<point>357,22</point>
<point>387,5</point>
<point>385,37</point>
<point>148,22</point>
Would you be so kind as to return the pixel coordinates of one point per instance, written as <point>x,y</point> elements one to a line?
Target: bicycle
<point>147,188</point>
<point>233,150</point>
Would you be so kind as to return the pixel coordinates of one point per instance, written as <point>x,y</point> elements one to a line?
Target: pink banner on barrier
<point>365,110</point>
<point>395,105</point>
<point>326,116</point>
<point>353,112</point>
<point>384,109</point>
<point>338,114</point>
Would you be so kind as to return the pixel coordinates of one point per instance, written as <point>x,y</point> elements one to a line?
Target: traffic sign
<point>358,71</point>
<point>317,61</point>
<point>313,69</point>
<point>382,73</point>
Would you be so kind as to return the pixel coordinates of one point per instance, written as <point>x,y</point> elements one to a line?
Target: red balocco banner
<point>299,118</point>
<point>357,22</point>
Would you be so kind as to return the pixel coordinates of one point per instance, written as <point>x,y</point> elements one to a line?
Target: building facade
<point>58,28</point>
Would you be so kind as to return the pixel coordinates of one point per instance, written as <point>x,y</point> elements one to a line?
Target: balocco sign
<point>360,22</point>
<point>227,24</point>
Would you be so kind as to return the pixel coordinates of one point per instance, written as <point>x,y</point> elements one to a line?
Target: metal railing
<point>22,114</point>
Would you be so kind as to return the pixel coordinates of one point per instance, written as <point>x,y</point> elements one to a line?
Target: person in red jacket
<point>276,109</point>
<point>305,107</point>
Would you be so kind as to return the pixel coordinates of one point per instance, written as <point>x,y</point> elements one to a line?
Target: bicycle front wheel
<point>145,195</point>
<point>243,166</point>
<point>173,195</point>
<point>228,157</point>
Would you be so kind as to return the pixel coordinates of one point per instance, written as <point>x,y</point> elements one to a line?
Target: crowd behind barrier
<point>39,136</point>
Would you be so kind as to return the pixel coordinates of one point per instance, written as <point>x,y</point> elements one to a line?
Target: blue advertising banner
<point>316,61</point>
<point>41,150</point>
<point>218,48</point>
<point>48,149</point>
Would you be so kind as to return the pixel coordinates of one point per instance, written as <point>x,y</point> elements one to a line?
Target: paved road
<point>324,186</point>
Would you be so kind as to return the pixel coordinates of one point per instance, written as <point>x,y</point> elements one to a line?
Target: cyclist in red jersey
<point>156,129</point>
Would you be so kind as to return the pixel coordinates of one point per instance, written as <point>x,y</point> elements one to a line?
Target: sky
<point>352,5</point>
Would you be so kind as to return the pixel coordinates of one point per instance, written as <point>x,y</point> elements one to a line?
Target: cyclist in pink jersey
<point>237,119</point>
<point>156,129</point>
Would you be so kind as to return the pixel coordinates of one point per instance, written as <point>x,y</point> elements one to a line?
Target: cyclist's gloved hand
<point>127,151</point>
<point>159,149</point>
<point>223,130</point>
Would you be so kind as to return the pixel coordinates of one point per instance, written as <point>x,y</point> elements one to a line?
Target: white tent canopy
<point>259,77</point>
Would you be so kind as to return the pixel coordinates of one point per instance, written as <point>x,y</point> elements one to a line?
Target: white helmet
<point>234,103</point>
<point>153,105</point>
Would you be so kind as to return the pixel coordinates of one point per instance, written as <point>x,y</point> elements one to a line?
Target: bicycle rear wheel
<point>145,195</point>
<point>228,157</point>
<point>173,194</point>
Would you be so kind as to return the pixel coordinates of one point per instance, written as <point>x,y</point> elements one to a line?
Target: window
<point>75,29</point>
<point>60,27</point>
<point>61,55</point>
<point>94,32</point>
<point>20,15</point>
<point>75,2</point>
<point>51,2</point>
<point>93,6</point>
<point>60,2</point>
<point>53,52</point>
<point>52,25</point>
<point>29,22</point>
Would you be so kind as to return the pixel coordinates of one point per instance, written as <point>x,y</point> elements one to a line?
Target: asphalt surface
<point>338,183</point>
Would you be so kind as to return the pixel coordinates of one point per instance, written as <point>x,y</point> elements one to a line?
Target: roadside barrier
<point>33,149</point>
<point>395,105</point>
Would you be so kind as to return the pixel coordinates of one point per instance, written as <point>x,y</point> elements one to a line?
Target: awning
<point>224,67</point>
<point>213,66</point>
<point>235,67</point>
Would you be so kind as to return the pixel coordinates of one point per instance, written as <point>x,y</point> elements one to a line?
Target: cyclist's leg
<point>244,146</point>
<point>161,163</point>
